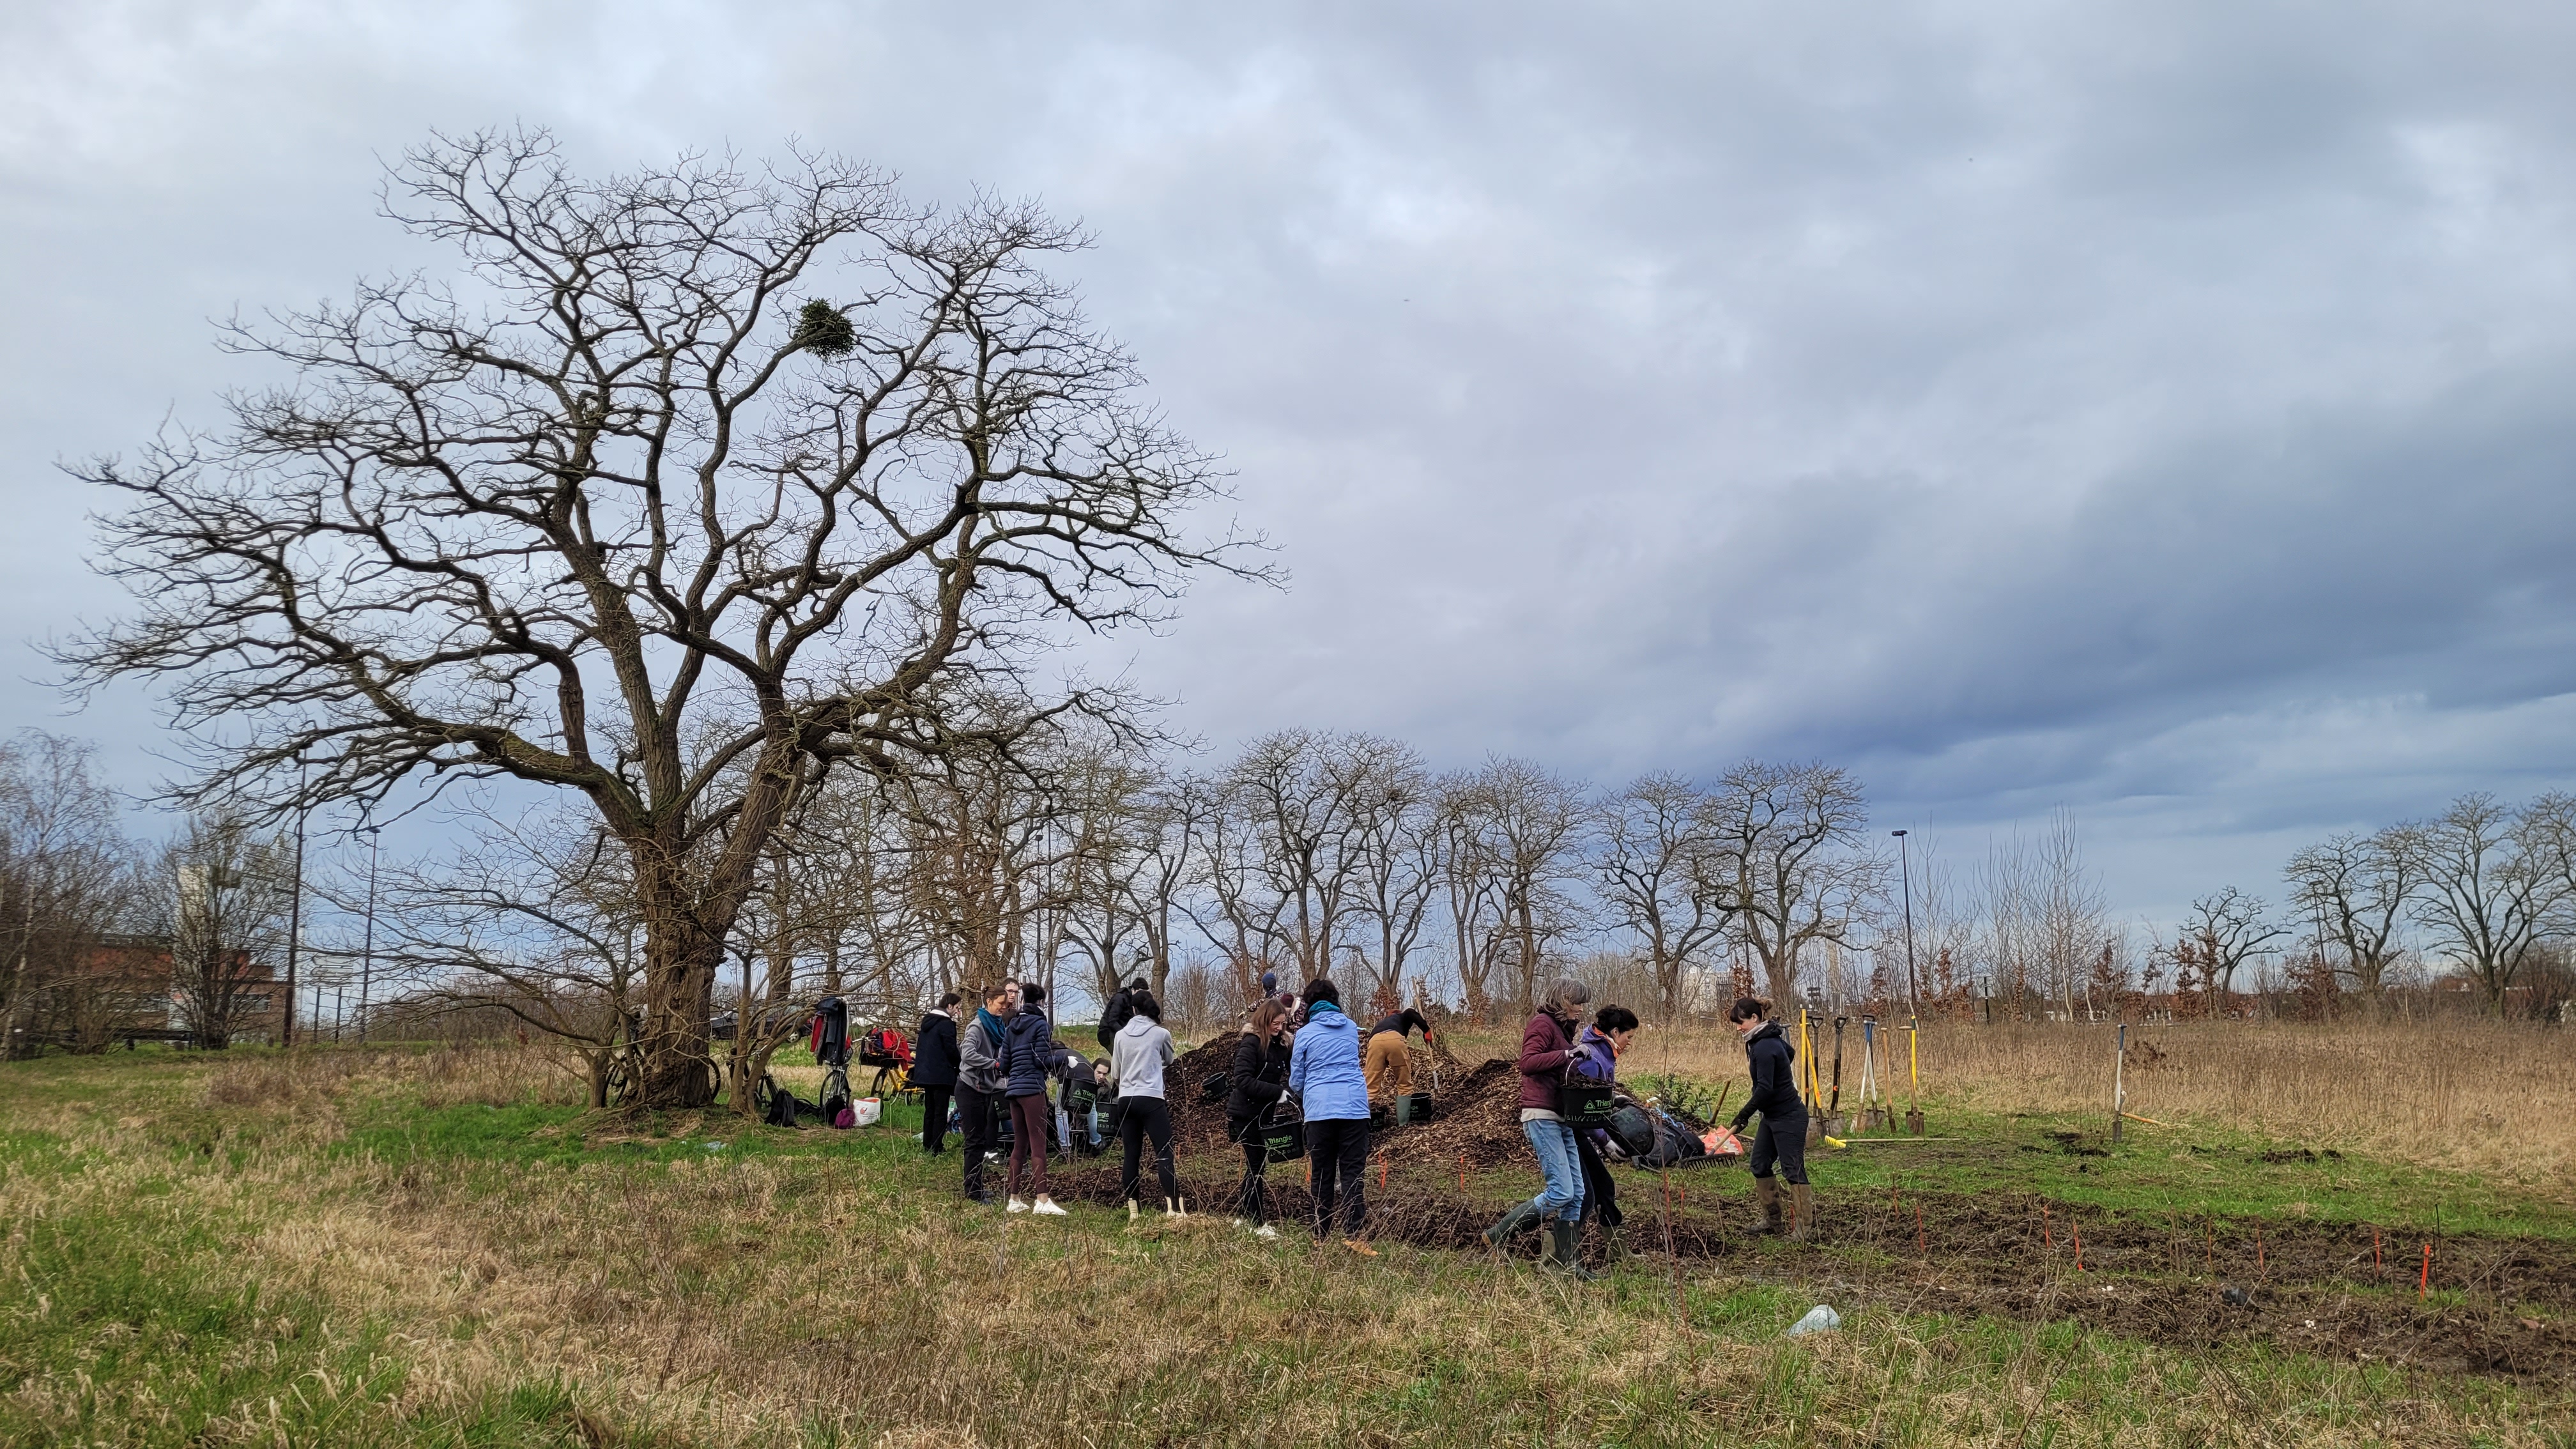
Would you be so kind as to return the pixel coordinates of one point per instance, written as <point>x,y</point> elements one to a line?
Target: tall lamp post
<point>1905,869</point>
<point>294,934</point>
<point>367,960</point>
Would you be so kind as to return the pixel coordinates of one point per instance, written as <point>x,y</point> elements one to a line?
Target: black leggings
<point>1143,1117</point>
<point>1338,1149</point>
<point>934,1119</point>
<point>1252,1199</point>
<point>1782,1139</point>
<point>977,1115</point>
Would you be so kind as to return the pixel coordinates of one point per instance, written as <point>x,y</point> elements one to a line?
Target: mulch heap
<point>1476,1113</point>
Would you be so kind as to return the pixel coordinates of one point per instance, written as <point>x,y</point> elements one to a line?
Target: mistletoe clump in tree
<point>693,485</point>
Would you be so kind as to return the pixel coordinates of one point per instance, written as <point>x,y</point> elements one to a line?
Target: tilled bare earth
<point>2501,1306</point>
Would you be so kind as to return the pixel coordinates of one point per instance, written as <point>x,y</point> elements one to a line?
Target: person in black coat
<point>1117,1011</point>
<point>1783,1138</point>
<point>1260,1077</point>
<point>934,1071</point>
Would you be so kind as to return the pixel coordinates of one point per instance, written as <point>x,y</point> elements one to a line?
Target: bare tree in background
<point>2357,889</point>
<point>1471,888</point>
<point>1664,874</point>
<point>1303,798</point>
<point>1111,835</point>
<point>650,519</point>
<point>67,880</point>
<point>1792,835</point>
<point>535,916</point>
<point>2073,933</point>
<point>1397,854</point>
<point>2494,887</point>
<point>228,889</point>
<point>1168,816</point>
<point>1524,832</point>
<point>2228,928</point>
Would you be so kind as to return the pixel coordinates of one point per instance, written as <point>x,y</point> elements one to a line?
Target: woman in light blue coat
<point>1324,1072</point>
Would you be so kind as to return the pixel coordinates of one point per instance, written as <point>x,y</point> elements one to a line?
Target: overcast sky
<point>2166,411</point>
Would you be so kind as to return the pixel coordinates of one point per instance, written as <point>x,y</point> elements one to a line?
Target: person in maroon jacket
<point>1547,1044</point>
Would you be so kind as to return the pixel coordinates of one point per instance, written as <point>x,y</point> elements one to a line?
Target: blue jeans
<point>1563,1166</point>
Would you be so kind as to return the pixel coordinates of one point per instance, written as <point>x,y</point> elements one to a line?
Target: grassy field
<point>436,1246</point>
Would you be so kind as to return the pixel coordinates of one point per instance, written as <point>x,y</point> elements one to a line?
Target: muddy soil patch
<point>2502,1306</point>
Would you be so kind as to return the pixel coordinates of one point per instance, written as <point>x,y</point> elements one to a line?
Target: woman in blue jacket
<point>1324,1072</point>
<point>1029,1057</point>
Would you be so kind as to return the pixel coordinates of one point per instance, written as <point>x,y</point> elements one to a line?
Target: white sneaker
<point>1017,1206</point>
<point>1046,1208</point>
<point>1266,1231</point>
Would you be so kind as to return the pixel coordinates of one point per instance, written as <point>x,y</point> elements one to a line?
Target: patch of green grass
<point>2221,1174</point>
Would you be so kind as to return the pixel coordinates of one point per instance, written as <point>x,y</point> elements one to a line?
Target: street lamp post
<point>294,935</point>
<point>367,960</point>
<point>1905,870</point>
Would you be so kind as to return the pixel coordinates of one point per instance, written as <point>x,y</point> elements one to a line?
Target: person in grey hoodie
<point>979,1084</point>
<point>1137,1057</point>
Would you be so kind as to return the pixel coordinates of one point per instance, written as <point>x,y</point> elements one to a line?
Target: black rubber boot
<point>1566,1255</point>
<point>1521,1216</point>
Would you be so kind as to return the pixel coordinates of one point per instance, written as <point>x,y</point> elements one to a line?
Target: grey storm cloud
<point>2160,410</point>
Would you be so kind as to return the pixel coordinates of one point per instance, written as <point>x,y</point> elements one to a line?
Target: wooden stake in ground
<point>2119,1082</point>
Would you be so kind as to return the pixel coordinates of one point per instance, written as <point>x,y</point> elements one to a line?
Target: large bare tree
<point>2494,888</point>
<point>2357,889</point>
<point>1664,873</point>
<point>1792,836</point>
<point>1521,828</point>
<point>2227,928</point>
<point>694,482</point>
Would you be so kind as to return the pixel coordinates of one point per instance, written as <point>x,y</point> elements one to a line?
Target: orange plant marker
<point>2376,1267</point>
<point>1462,1172</point>
<point>2424,1280</point>
<point>1381,1172</point>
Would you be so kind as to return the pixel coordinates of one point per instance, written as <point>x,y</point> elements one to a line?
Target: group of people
<point>1302,1065</point>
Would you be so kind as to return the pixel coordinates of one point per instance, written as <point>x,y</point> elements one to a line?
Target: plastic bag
<point>1722,1142</point>
<point>866,1111</point>
<point>1819,1319</point>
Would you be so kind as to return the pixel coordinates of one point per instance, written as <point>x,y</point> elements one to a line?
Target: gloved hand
<point>1741,1118</point>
